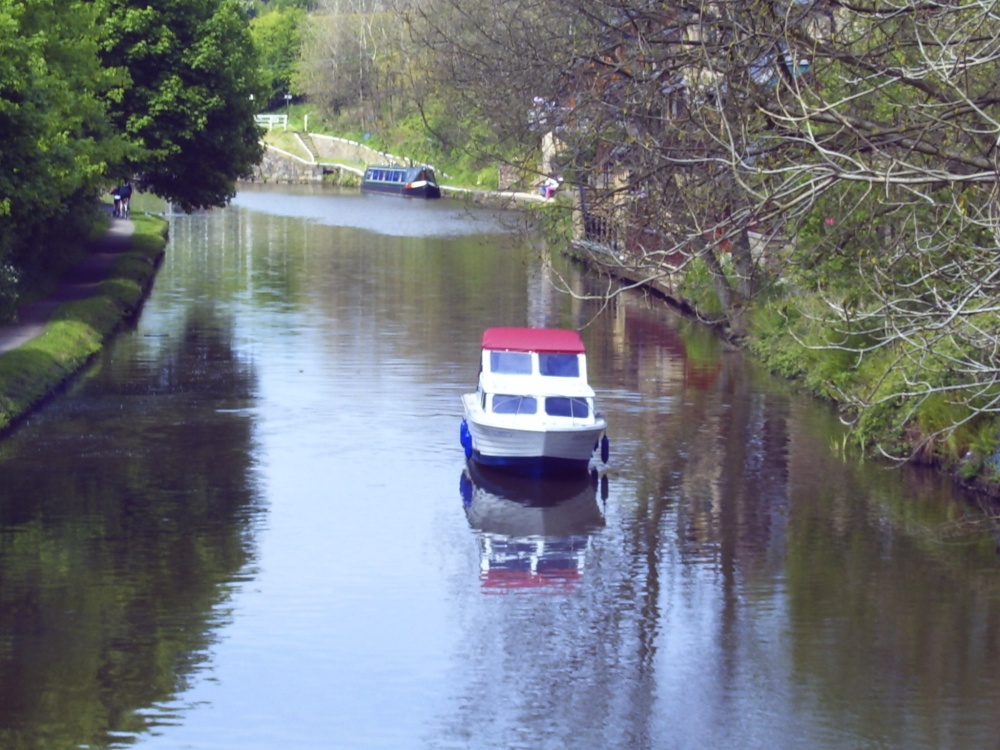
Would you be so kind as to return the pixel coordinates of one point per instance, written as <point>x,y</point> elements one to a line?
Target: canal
<point>250,523</point>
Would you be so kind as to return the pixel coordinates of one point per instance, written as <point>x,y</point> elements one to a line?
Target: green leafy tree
<point>55,130</point>
<point>260,7</point>
<point>278,40</point>
<point>187,108</point>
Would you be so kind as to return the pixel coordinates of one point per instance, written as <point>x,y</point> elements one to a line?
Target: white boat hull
<point>517,442</point>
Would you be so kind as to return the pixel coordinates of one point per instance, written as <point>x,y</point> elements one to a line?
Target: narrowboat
<point>415,182</point>
<point>533,409</point>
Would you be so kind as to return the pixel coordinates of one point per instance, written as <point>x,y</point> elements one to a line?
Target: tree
<point>845,150</point>
<point>903,147</point>
<point>187,109</point>
<point>54,126</point>
<point>616,84</point>
<point>277,37</point>
<point>353,57</point>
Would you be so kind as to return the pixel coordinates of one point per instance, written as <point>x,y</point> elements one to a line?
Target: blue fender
<point>465,437</point>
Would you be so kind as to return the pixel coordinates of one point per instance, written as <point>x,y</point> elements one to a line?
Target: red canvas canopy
<point>547,340</point>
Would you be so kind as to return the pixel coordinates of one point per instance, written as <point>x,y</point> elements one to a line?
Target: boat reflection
<point>533,533</point>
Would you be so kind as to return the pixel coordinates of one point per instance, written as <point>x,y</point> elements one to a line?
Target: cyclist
<point>126,195</point>
<point>116,193</point>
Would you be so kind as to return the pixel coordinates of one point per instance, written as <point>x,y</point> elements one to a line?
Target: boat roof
<point>547,340</point>
<point>400,167</point>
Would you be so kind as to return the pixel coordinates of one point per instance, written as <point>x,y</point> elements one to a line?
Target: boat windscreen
<point>559,365</point>
<point>509,404</point>
<point>560,406</point>
<point>510,363</point>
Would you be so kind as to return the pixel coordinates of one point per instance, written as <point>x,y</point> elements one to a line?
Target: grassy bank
<point>78,328</point>
<point>938,429</point>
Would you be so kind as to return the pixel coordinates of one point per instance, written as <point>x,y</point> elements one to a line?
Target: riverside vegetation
<point>94,93</point>
<point>78,328</point>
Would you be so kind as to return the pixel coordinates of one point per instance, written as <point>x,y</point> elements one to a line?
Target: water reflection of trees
<point>894,603</point>
<point>880,591</point>
<point>124,516</point>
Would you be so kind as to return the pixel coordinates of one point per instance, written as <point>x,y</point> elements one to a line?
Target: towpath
<point>79,282</point>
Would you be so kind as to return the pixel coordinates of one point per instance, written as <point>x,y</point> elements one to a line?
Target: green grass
<point>286,141</point>
<point>78,329</point>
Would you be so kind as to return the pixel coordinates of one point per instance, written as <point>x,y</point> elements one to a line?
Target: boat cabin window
<point>559,365</point>
<point>560,406</point>
<point>510,363</point>
<point>507,404</point>
<point>386,175</point>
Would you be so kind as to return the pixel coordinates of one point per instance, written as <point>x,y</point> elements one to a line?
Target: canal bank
<point>338,161</point>
<point>55,337</point>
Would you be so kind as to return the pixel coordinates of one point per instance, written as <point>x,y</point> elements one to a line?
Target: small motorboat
<point>533,410</point>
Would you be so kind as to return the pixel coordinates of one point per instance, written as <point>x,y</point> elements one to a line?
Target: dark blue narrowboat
<point>416,182</point>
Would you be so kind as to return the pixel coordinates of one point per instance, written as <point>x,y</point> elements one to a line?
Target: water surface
<point>251,525</point>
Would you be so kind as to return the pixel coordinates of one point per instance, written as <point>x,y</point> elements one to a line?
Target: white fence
<point>270,121</point>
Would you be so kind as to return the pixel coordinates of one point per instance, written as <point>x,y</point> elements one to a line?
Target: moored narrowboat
<point>414,182</point>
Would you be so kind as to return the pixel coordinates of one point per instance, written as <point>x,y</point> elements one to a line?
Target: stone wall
<point>337,160</point>
<point>330,148</point>
<point>278,166</point>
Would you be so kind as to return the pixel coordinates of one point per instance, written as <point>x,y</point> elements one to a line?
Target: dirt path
<point>78,283</point>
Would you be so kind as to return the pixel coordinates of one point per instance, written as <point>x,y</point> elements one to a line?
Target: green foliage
<point>53,123</point>
<point>186,106</point>
<point>276,35</point>
<point>256,8</point>
<point>769,325</point>
<point>9,277</point>
<point>795,338</point>
<point>983,457</point>
<point>487,178</point>
<point>696,287</point>
<point>935,420</point>
<point>97,91</point>
<point>77,329</point>
<point>440,139</point>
